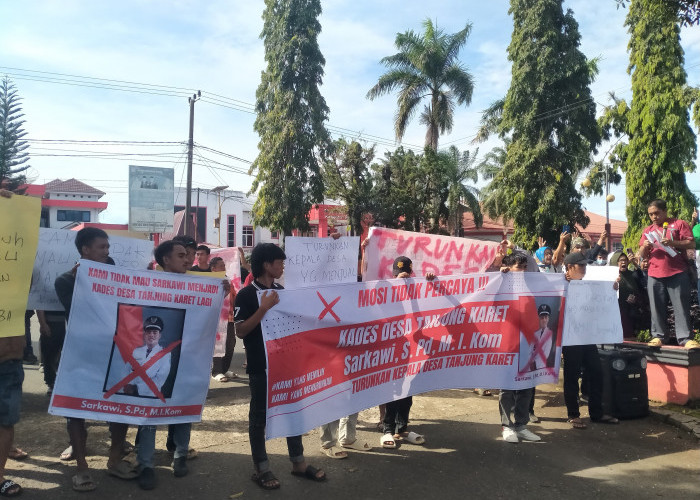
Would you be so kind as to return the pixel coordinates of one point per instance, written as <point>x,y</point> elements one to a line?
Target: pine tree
<point>661,146</point>
<point>291,115</point>
<point>549,115</point>
<point>13,147</point>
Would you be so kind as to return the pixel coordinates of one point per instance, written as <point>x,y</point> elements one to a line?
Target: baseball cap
<point>575,258</point>
<point>544,309</point>
<point>402,265</point>
<point>153,322</point>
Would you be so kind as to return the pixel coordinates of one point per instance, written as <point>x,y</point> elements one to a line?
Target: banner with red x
<point>328,308</point>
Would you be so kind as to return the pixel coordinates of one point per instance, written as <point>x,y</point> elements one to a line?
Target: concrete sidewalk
<point>464,455</point>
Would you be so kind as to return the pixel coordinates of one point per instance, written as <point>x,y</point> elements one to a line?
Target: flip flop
<point>82,481</point>
<point>123,470</point>
<point>8,485</point>
<point>67,454</point>
<point>334,452</point>
<point>414,438</point>
<point>577,423</point>
<point>310,473</point>
<point>388,441</point>
<point>262,478</point>
<point>357,446</point>
<point>17,454</point>
<point>220,377</point>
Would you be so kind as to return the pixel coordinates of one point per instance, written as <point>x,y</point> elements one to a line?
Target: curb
<point>683,422</point>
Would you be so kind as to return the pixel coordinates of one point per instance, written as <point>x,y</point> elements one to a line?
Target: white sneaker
<point>527,435</point>
<point>509,435</point>
<point>534,419</point>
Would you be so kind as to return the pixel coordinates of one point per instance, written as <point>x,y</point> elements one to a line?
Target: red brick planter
<point>673,373</point>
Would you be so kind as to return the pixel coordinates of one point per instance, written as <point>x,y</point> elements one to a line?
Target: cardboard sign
<point>592,314</point>
<point>19,232</point>
<point>320,261</point>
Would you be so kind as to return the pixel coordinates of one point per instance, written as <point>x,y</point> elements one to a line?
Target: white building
<point>224,219</point>
<point>64,203</point>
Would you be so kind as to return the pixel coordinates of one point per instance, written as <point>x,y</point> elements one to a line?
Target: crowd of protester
<point>659,273</point>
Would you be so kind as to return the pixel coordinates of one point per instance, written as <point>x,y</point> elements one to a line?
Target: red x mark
<point>139,370</point>
<point>329,308</point>
<point>539,349</point>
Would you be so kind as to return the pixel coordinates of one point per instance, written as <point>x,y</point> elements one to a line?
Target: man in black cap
<point>158,372</point>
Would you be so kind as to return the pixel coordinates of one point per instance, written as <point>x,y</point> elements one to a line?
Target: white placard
<point>320,261</point>
<point>56,254</point>
<point>111,369</point>
<point>601,273</point>
<point>591,314</point>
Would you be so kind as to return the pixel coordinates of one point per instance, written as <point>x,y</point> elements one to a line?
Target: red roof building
<point>65,203</point>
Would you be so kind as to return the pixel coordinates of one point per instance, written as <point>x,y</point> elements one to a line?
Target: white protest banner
<point>320,261</point>
<point>57,254</point>
<point>440,255</point>
<point>138,346</point>
<point>232,259</point>
<point>601,273</point>
<point>592,314</point>
<point>338,349</point>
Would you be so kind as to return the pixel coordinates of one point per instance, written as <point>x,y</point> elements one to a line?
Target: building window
<point>248,236</point>
<point>73,215</point>
<point>275,235</point>
<point>231,231</point>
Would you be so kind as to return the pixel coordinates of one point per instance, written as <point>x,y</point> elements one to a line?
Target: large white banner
<point>440,255</point>
<point>592,314</point>
<point>337,349</point>
<point>57,254</point>
<point>138,347</point>
<point>320,261</point>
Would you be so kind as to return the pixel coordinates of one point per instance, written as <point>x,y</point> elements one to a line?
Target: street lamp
<point>609,198</point>
<point>220,201</point>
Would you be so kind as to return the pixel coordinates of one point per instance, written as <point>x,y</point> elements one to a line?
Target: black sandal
<point>263,479</point>
<point>310,473</point>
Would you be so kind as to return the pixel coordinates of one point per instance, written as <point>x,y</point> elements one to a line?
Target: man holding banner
<point>267,265</point>
<point>92,244</point>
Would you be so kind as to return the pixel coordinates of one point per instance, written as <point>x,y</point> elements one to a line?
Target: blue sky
<point>214,46</point>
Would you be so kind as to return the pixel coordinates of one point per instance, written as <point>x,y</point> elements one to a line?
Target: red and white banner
<point>338,349</point>
<point>440,255</point>
<point>138,346</point>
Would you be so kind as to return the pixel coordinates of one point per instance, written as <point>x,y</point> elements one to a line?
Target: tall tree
<point>427,65</point>
<point>347,177</point>
<point>462,174</point>
<point>13,147</point>
<point>549,115</point>
<point>291,115</point>
<point>661,146</point>
<point>688,10</point>
<point>399,190</point>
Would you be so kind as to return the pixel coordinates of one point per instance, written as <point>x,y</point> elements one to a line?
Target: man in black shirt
<point>267,264</point>
<point>202,259</point>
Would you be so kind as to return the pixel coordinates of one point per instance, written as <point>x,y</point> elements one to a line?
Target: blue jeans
<point>146,442</point>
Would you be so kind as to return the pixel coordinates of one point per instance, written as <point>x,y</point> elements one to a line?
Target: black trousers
<point>577,357</point>
<point>396,416</point>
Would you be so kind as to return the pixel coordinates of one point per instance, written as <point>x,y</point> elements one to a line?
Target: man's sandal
<point>17,454</point>
<point>266,480</point>
<point>577,423</point>
<point>83,481</point>
<point>310,472</point>
<point>388,441</point>
<point>334,452</point>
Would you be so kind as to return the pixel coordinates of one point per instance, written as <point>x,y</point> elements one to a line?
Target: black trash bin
<point>625,388</point>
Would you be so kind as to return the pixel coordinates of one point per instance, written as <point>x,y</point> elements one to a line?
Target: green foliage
<point>13,147</point>
<point>398,192</point>
<point>688,10</point>
<point>661,146</point>
<point>347,177</point>
<point>549,116</point>
<point>427,66</point>
<point>291,115</point>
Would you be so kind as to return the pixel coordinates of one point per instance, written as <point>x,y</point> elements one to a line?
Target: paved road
<point>464,456</point>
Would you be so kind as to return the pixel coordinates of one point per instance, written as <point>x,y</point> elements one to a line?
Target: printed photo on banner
<point>146,351</point>
<point>540,345</point>
<point>138,346</point>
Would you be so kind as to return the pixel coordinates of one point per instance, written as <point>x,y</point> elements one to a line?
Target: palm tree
<point>460,169</point>
<point>427,66</point>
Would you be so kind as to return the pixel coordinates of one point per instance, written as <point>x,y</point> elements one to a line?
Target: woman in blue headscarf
<point>543,256</point>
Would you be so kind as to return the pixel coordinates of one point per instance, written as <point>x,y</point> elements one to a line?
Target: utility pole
<point>190,148</point>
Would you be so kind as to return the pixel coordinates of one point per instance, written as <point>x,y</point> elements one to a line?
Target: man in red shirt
<point>665,243</point>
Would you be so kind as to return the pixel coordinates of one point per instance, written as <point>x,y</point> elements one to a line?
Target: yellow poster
<point>19,235</point>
